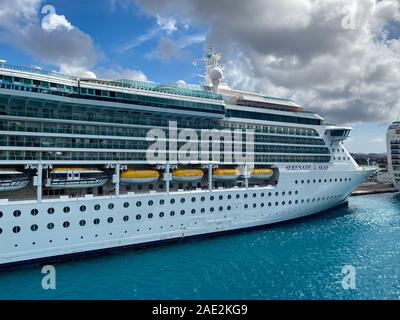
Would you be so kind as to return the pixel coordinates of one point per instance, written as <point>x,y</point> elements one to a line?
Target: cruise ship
<point>90,165</point>
<point>393,153</point>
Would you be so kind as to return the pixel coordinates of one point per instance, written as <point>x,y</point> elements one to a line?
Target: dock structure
<point>373,188</point>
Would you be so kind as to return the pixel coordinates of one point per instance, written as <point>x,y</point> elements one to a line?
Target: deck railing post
<point>210,178</point>
<point>39,178</point>
<point>117,179</point>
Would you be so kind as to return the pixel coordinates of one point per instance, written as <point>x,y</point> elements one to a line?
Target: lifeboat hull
<point>139,177</point>
<point>12,185</point>
<point>76,184</point>
<point>191,175</point>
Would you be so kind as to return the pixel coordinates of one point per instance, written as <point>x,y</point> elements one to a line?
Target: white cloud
<point>116,72</point>
<point>54,42</point>
<point>167,24</point>
<point>54,21</point>
<point>299,49</point>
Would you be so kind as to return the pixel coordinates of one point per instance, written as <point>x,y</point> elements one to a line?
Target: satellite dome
<point>89,75</point>
<point>216,73</point>
<point>181,82</point>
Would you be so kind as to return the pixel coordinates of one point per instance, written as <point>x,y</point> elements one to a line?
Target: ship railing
<point>36,71</point>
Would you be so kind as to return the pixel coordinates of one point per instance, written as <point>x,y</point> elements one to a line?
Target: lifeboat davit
<point>75,178</point>
<point>226,174</point>
<point>261,174</point>
<point>11,180</point>
<point>132,176</point>
<point>187,175</point>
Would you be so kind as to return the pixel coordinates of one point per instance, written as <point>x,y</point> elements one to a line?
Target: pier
<point>373,188</point>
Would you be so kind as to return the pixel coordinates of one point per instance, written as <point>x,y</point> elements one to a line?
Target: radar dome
<point>216,74</point>
<point>89,75</point>
<point>181,82</point>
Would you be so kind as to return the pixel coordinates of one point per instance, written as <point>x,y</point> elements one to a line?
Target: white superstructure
<point>80,144</point>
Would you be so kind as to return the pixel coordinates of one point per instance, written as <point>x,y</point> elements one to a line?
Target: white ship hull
<point>231,209</point>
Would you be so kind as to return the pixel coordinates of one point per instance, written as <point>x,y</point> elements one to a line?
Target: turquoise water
<point>297,260</point>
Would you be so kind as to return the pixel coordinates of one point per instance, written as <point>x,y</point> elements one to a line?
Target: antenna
<point>214,74</point>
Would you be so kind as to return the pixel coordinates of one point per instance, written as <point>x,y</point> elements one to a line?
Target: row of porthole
<point>96,235</point>
<point>320,180</point>
<point>110,220</point>
<point>97,207</point>
<point>290,202</point>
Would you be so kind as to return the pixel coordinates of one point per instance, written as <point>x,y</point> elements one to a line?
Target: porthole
<point>237,196</point>
<point>246,195</point>
<point>126,205</point>
<point>82,208</point>
<point>97,207</point>
<point>138,204</point>
<point>161,214</point>
<point>212,198</point>
<point>276,204</point>
<point>17,213</point>
<point>193,211</point>
<point>50,226</point>
<point>172,213</point>
<point>220,197</point>
<point>162,202</point>
<point>66,209</point>
<point>202,198</point>
<point>283,203</point>
<point>110,206</point>
<point>296,182</point>
<point>283,193</point>
<point>276,193</point>
<point>66,224</point>
<point>50,210</point>
<point>34,212</point>
<point>229,197</point>
<point>254,195</point>
<point>34,227</point>
<point>150,216</point>
<point>269,194</point>
<point>220,208</point>
<point>1,214</point>
<point>193,199</point>
<point>246,206</point>
<point>172,201</point>
<point>16,229</point>
<point>254,205</point>
<point>296,202</point>
<point>229,208</point>
<point>82,223</point>
<point>202,210</point>
<point>110,220</point>
<point>138,217</point>
<point>1,230</point>
<point>262,205</point>
<point>182,212</point>
<point>126,218</point>
<point>269,204</point>
<point>96,221</point>
<point>296,192</point>
<point>150,203</point>
<point>182,200</point>
<point>212,209</point>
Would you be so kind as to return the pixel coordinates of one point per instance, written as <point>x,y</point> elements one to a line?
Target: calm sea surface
<point>297,260</point>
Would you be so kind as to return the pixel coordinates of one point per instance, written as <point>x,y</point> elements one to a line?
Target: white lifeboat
<point>261,174</point>
<point>132,176</point>
<point>75,178</point>
<point>11,180</point>
<point>226,174</point>
<point>187,175</point>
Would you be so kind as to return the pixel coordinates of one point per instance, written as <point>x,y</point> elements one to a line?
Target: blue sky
<point>157,41</point>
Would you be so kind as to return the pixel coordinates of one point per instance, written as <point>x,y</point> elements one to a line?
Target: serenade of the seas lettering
<point>306,167</point>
